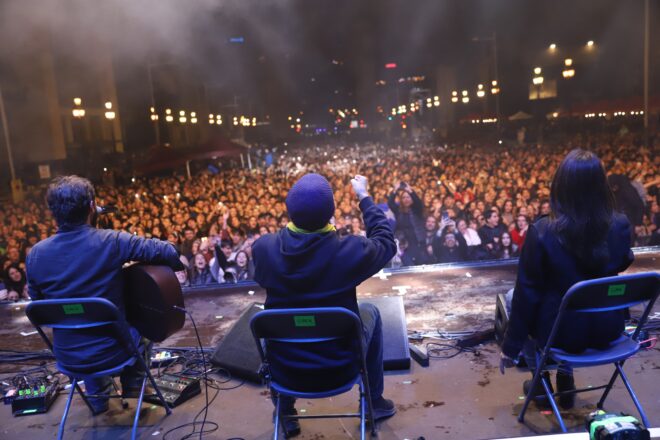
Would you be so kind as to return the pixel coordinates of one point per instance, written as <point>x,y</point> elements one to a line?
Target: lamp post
<point>646,72</point>
<point>110,116</point>
<point>496,81</point>
<point>154,116</point>
<point>5,130</point>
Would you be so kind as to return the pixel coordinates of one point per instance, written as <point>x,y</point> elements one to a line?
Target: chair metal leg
<point>124,404</point>
<point>645,420</point>
<point>168,410</point>
<point>60,432</point>
<point>136,420</point>
<point>82,395</point>
<point>363,411</point>
<point>277,418</point>
<point>528,397</point>
<point>601,402</point>
<point>553,404</point>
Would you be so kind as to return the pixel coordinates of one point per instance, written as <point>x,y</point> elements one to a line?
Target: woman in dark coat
<point>583,238</point>
<point>409,213</point>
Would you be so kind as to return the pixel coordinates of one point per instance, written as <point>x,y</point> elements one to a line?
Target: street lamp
<point>553,47</point>
<point>454,96</point>
<point>480,91</point>
<point>465,99</point>
<point>78,111</point>
<point>495,89</point>
<point>109,114</point>
<point>590,43</point>
<point>537,80</point>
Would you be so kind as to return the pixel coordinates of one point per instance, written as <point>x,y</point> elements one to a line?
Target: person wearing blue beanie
<point>310,202</point>
<point>307,264</point>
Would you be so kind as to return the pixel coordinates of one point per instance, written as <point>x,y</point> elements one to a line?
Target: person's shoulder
<point>265,240</point>
<point>620,220</point>
<point>541,227</point>
<point>620,224</point>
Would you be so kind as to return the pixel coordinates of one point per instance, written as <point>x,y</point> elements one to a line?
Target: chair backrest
<point>306,325</point>
<point>612,293</point>
<point>72,313</point>
<point>79,314</point>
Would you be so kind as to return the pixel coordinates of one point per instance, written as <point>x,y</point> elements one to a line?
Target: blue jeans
<point>372,344</point>
<point>130,377</point>
<point>530,347</point>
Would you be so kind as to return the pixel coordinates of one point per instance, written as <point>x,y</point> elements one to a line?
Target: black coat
<point>546,271</point>
<point>319,270</point>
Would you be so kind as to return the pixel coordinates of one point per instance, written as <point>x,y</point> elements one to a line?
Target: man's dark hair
<point>490,213</point>
<point>69,199</point>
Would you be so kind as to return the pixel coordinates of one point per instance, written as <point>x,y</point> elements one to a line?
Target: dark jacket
<point>410,223</point>
<point>546,270</point>
<point>319,270</point>
<point>83,262</point>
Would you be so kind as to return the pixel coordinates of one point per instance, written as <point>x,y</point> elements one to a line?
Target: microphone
<point>108,209</point>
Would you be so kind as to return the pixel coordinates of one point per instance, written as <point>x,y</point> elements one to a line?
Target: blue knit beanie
<point>310,202</point>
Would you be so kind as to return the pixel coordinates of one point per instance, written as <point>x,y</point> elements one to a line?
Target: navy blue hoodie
<point>320,270</point>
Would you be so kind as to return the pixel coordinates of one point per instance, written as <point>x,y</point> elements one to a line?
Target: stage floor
<point>460,398</point>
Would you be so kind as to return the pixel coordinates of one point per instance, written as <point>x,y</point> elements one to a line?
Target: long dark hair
<point>582,207</point>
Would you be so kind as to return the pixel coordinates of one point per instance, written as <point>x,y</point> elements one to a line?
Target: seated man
<point>308,265</point>
<point>80,261</point>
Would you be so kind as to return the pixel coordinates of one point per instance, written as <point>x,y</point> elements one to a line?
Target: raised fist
<point>360,186</point>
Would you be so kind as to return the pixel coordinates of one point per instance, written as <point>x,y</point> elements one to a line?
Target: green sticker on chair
<point>616,290</point>
<point>305,321</point>
<point>73,309</point>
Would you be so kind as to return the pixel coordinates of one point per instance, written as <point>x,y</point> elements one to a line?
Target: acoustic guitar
<point>150,292</point>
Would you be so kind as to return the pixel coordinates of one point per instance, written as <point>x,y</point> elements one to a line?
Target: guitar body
<point>150,292</point>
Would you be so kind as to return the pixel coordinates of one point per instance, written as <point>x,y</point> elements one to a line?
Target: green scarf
<point>327,228</point>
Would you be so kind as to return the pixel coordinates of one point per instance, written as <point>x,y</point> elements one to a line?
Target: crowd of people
<point>446,203</point>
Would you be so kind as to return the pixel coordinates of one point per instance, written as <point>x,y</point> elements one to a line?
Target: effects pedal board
<point>175,389</point>
<point>35,399</point>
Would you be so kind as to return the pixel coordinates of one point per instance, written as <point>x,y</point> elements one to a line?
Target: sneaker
<point>565,382</point>
<point>541,400</point>
<point>383,408</point>
<point>291,427</point>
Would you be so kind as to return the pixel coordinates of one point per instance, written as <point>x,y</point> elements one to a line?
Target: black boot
<point>541,401</point>
<point>565,382</point>
<point>291,427</point>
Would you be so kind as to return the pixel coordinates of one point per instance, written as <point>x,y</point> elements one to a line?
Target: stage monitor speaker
<point>501,317</point>
<point>396,355</point>
<point>237,351</point>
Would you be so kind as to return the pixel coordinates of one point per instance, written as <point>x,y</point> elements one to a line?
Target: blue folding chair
<point>312,326</point>
<point>81,314</point>
<point>593,296</point>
